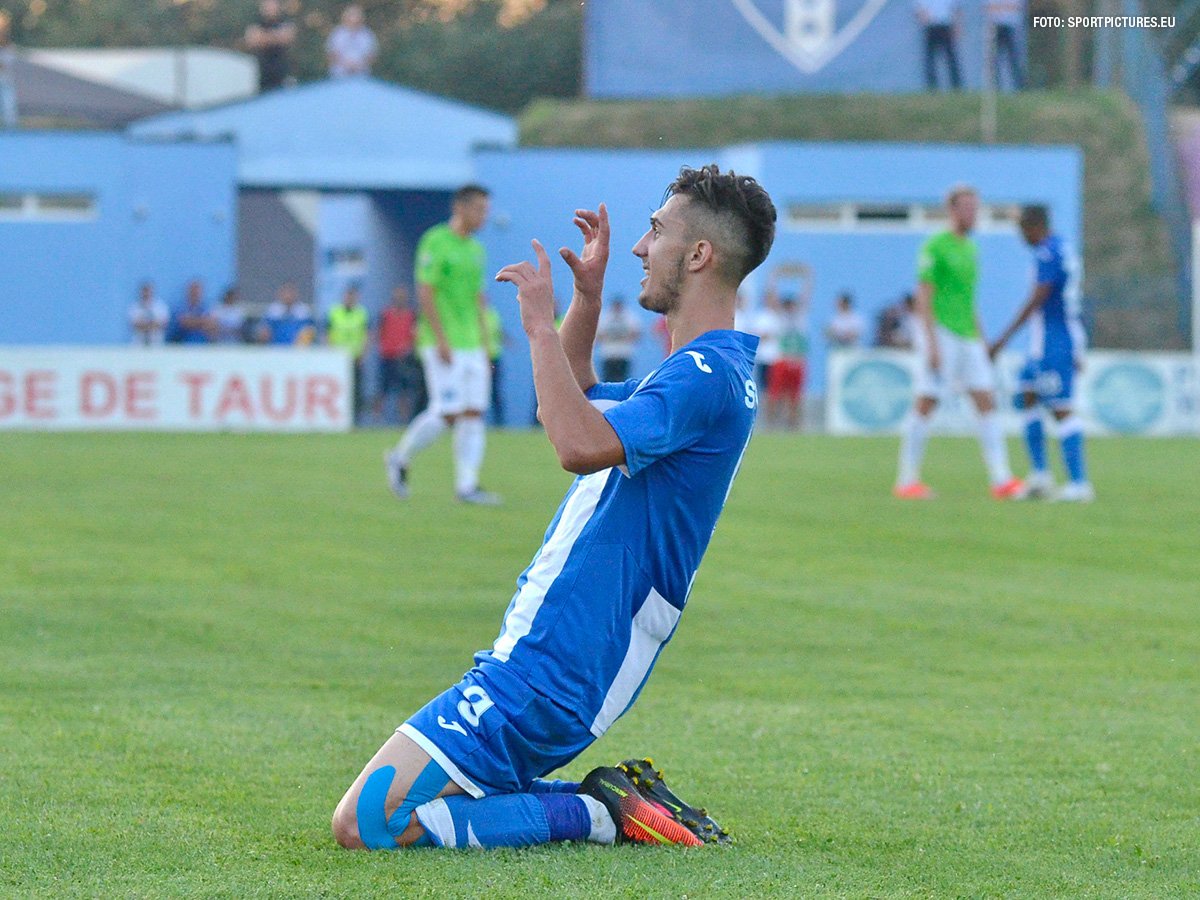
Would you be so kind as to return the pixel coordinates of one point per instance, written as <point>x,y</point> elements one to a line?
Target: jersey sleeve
<point>1049,266</point>
<point>671,411</point>
<point>425,270</point>
<point>611,391</point>
<point>926,261</point>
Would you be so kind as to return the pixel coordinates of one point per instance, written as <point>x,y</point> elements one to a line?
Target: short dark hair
<point>1035,215</point>
<point>741,216</point>
<point>470,192</point>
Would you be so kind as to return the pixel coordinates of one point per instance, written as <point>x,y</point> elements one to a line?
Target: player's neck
<point>459,227</point>
<point>691,320</point>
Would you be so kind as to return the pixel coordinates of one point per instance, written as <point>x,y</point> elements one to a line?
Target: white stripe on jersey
<point>549,563</point>
<point>651,627</point>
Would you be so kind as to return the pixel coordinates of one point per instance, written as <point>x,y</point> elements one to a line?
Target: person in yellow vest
<point>347,328</point>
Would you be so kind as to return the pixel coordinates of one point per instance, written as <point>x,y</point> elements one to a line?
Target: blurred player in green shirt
<point>453,343</point>
<point>952,354</point>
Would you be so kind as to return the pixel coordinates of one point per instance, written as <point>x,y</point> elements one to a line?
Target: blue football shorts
<point>493,734</point>
<point>1051,378</point>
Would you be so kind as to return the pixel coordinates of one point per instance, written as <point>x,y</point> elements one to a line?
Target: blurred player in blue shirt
<point>1056,346</point>
<point>655,460</point>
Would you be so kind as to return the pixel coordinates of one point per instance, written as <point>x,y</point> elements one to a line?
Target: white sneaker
<point>1038,486</point>
<point>480,497</point>
<point>1076,492</point>
<point>397,475</point>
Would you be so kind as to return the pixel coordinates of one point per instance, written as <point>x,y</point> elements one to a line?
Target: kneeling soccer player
<point>603,595</point>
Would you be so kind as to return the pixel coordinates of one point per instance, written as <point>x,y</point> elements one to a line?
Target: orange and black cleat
<point>649,783</point>
<point>638,820</point>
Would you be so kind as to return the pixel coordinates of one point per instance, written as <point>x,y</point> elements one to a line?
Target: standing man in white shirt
<point>846,327</point>
<point>148,318</point>
<point>616,339</point>
<point>351,48</point>
<point>941,21</point>
<point>1004,19</point>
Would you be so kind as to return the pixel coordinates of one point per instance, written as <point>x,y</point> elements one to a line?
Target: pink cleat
<point>915,490</point>
<point>1013,489</point>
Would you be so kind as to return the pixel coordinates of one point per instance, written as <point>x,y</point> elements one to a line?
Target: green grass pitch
<point>203,638</point>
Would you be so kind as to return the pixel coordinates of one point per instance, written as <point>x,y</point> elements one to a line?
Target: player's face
<point>663,252</point>
<point>1031,233</point>
<point>964,211</point>
<point>473,212</point>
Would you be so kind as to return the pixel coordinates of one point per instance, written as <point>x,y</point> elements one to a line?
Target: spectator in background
<point>766,323</point>
<point>941,21</point>
<point>351,47</point>
<point>1005,18</point>
<point>894,328</point>
<point>497,340</point>
<point>148,317</point>
<point>785,386</point>
<point>229,319</point>
<point>399,369</point>
<point>616,337</point>
<point>347,327</point>
<point>288,322</point>
<point>192,323</point>
<point>269,38</point>
<point>8,84</point>
<point>846,327</point>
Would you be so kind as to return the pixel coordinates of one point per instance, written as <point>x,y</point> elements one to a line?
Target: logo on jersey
<point>698,359</point>
<point>808,37</point>
<point>472,708</point>
<point>751,398</point>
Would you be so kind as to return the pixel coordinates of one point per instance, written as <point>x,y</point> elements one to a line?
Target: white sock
<point>912,448</point>
<point>995,450</point>
<point>422,431</point>
<point>470,440</point>
<point>604,829</point>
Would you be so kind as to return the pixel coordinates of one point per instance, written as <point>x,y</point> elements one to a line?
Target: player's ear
<point>701,256</point>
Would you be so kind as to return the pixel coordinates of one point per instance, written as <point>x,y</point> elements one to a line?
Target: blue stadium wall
<point>536,190</point>
<point>163,211</point>
<point>675,48</point>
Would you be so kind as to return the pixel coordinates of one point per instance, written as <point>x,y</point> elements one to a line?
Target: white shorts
<point>964,366</point>
<point>465,383</point>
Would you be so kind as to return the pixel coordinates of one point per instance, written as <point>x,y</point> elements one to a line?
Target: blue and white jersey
<point>605,591</point>
<point>1056,330</point>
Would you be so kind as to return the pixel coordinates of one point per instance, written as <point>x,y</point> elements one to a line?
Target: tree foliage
<point>495,53</point>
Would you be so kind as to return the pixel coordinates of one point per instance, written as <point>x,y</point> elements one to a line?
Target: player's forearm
<point>924,310</point>
<point>578,338</point>
<point>1032,305</point>
<point>579,433</point>
<point>429,311</point>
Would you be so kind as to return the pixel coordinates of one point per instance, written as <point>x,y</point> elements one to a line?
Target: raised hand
<point>588,267</point>
<point>535,289</point>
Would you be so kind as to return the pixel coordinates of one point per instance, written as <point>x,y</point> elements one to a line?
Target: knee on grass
<point>346,831</point>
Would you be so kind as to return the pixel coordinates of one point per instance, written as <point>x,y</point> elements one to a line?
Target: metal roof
<point>345,134</point>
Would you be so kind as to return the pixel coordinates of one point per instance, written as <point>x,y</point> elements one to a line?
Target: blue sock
<point>1070,439</point>
<point>506,820</point>
<point>1035,439</point>
<point>567,816</point>
<point>542,786</point>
